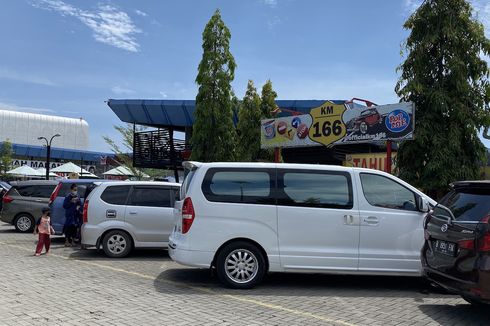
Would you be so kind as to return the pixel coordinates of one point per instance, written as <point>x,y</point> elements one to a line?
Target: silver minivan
<point>123,215</point>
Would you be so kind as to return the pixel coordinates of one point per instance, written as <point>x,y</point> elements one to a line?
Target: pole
<point>48,157</point>
<point>388,156</point>
<point>276,154</point>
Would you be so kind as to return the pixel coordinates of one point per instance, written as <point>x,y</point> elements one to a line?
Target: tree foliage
<point>6,153</point>
<point>214,134</point>
<point>248,128</point>
<point>268,100</point>
<point>447,79</point>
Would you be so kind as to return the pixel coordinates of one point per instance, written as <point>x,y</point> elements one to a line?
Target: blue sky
<point>66,57</point>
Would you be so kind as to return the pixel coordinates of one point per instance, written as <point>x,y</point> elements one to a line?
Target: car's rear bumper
<point>7,218</point>
<point>470,289</point>
<point>90,235</point>
<point>194,258</point>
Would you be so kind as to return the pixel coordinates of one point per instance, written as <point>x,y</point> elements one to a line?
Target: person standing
<point>72,205</point>
<point>44,229</point>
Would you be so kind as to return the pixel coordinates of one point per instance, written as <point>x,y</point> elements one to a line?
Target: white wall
<point>25,128</point>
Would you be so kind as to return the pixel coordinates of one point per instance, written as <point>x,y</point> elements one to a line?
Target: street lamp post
<point>48,152</point>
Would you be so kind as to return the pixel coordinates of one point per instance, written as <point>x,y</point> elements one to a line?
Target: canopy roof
<point>43,172</point>
<point>179,114</point>
<point>25,170</point>
<point>123,171</point>
<point>73,168</point>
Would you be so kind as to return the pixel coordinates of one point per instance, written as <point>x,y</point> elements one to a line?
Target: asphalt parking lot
<point>74,287</point>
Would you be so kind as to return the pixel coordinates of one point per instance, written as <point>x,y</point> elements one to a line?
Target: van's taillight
<point>7,199</point>
<point>485,242</point>
<point>85,211</point>
<point>54,194</point>
<point>466,244</point>
<point>188,215</point>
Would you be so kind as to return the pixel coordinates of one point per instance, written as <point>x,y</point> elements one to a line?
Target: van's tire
<point>24,222</point>
<point>117,244</point>
<point>240,265</point>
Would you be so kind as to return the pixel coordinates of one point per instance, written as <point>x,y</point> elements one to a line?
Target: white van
<point>246,219</point>
<point>123,215</point>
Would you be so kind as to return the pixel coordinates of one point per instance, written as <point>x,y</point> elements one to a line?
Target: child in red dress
<point>44,228</point>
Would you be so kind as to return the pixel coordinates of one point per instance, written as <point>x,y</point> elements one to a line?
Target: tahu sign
<point>333,124</point>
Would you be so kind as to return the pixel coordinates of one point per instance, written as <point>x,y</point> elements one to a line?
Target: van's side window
<point>150,196</point>
<point>383,192</point>
<point>252,186</point>
<point>315,189</point>
<point>116,195</point>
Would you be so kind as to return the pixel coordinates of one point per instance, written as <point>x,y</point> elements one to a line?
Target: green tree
<point>268,100</point>
<point>6,153</point>
<point>447,79</point>
<point>248,128</point>
<point>267,105</point>
<point>214,133</point>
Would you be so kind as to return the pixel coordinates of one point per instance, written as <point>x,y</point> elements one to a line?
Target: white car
<point>123,215</point>
<point>246,219</point>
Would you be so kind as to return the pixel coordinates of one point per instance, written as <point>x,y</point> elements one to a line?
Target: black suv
<point>456,253</point>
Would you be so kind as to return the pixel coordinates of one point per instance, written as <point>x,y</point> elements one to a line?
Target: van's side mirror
<point>422,204</point>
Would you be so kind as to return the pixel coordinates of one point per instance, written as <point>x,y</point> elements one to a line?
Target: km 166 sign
<point>335,124</point>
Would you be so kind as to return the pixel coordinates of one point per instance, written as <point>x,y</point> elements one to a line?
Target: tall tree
<point>248,127</point>
<point>6,153</point>
<point>267,105</point>
<point>268,100</point>
<point>447,79</point>
<point>214,133</point>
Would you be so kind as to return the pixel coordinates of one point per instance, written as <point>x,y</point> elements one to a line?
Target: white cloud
<point>6,73</point>
<point>141,13</point>
<point>15,107</point>
<point>121,90</point>
<point>109,25</point>
<point>270,3</point>
<point>163,94</point>
<point>272,22</point>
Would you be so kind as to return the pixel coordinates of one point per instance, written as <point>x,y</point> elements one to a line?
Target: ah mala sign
<point>335,124</point>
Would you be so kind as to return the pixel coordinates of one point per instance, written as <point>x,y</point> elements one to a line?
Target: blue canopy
<point>179,114</point>
<point>58,153</point>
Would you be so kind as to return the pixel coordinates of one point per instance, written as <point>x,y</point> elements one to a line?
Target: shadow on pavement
<point>136,255</point>
<point>283,284</point>
<point>464,314</point>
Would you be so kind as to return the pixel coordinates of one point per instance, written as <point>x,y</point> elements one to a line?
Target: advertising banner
<point>369,160</point>
<point>335,124</point>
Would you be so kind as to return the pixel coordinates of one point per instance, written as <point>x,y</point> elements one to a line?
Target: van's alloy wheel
<point>117,244</point>
<point>24,223</point>
<point>240,265</point>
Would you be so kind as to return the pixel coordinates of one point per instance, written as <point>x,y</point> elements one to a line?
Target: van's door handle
<point>348,219</point>
<point>133,213</point>
<point>110,213</point>
<point>39,200</point>
<point>373,220</point>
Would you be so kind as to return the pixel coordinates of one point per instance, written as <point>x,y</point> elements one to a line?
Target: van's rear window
<point>468,204</point>
<point>250,186</point>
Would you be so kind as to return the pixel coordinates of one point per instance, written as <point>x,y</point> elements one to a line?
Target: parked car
<point>456,254</point>
<point>123,215</point>
<point>245,219</point>
<point>367,118</point>
<point>85,186</point>
<point>23,203</point>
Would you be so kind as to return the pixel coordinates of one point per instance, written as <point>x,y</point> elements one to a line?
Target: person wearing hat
<point>44,229</point>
